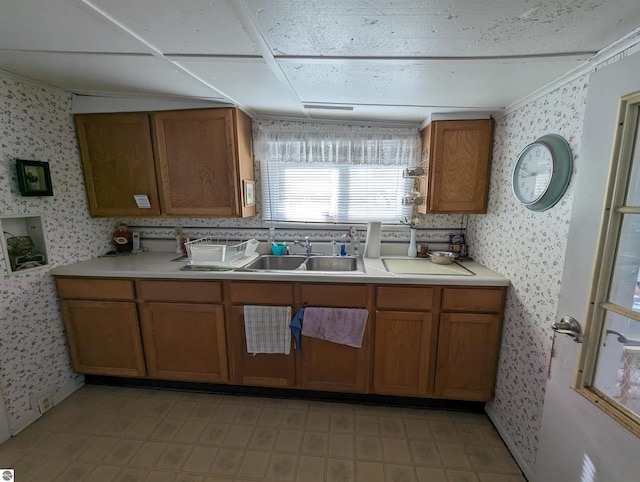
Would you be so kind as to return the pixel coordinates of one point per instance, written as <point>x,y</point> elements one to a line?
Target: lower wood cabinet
<point>330,366</point>
<point>184,341</point>
<point>421,341</point>
<point>104,337</point>
<point>469,342</point>
<point>468,347</point>
<point>404,354</point>
<point>101,320</point>
<point>261,369</point>
<point>183,330</point>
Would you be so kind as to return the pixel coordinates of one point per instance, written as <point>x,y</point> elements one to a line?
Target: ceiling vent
<point>328,107</point>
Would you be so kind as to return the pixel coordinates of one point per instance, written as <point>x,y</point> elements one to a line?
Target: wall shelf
<point>23,243</point>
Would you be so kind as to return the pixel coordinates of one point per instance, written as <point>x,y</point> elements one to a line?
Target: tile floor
<point>105,433</point>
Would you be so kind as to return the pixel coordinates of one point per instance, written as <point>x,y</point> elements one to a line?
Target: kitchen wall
<point>529,249</point>
<point>36,124</point>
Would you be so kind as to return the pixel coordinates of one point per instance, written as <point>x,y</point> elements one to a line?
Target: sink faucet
<point>306,245</point>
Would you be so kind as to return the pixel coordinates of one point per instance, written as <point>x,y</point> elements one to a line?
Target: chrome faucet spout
<point>306,245</point>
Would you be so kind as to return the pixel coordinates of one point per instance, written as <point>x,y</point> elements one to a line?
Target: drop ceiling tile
<point>60,25</point>
<point>440,27</point>
<point>464,84</point>
<point>185,26</point>
<point>106,73</point>
<point>249,82</point>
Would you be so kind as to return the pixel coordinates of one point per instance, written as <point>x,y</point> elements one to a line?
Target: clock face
<point>533,172</point>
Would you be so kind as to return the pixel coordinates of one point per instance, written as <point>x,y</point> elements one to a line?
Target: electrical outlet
<point>45,403</point>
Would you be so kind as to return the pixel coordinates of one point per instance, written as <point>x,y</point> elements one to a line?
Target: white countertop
<point>159,265</point>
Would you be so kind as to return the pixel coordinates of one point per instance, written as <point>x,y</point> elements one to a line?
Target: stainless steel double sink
<point>307,263</point>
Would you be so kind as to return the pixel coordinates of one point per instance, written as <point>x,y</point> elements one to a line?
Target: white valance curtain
<point>334,174</point>
<point>334,145</point>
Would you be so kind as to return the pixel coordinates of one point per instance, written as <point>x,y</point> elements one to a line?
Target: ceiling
<point>368,60</point>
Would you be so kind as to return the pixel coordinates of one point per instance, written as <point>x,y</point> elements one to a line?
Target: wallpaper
<point>529,249</point>
<point>36,124</point>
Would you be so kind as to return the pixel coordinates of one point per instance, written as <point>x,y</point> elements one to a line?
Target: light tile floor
<point>105,433</point>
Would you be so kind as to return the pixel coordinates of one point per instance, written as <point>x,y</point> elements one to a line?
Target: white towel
<point>267,329</point>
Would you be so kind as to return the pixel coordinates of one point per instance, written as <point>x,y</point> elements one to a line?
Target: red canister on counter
<point>122,239</point>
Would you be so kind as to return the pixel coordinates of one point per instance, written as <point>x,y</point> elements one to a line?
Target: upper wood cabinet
<point>117,158</point>
<point>457,155</point>
<point>189,162</point>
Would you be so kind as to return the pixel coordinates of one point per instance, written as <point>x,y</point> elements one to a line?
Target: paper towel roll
<point>372,244</point>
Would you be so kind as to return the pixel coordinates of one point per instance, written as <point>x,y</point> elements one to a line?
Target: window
<point>334,176</point>
<point>611,363</point>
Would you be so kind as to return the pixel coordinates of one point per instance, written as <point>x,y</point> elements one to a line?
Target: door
<point>104,337</point>
<point>117,158</point>
<point>185,341</point>
<point>404,353</point>
<point>468,345</point>
<point>578,441</point>
<point>197,162</point>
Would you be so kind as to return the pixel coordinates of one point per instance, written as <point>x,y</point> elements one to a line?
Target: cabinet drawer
<point>95,289</point>
<point>404,297</point>
<point>164,290</point>
<point>476,300</point>
<point>262,293</point>
<point>335,295</point>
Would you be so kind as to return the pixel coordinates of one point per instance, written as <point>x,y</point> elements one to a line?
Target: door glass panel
<point>618,371</point>
<point>633,193</point>
<point>625,289</point>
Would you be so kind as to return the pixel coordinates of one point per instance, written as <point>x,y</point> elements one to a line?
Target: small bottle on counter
<point>343,245</point>
<point>355,245</point>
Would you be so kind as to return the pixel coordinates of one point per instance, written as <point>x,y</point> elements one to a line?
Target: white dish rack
<point>208,252</point>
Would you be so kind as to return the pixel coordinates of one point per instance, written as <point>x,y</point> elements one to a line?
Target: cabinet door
<point>405,353</point>
<point>459,166</point>
<point>467,356</point>
<point>197,161</point>
<point>117,158</point>
<point>104,337</point>
<point>185,341</point>
<point>330,366</point>
<point>261,369</point>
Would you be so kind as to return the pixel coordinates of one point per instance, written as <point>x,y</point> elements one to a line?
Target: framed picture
<point>34,178</point>
<point>249,193</point>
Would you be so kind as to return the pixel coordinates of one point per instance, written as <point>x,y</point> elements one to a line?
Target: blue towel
<point>296,328</point>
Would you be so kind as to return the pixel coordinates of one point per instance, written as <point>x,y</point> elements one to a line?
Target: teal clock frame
<point>560,177</point>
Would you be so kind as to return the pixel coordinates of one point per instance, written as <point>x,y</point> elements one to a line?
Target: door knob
<point>568,325</point>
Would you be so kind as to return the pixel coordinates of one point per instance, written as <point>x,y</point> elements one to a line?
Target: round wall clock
<point>542,172</point>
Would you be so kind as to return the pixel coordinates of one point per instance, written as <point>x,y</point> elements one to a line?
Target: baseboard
<point>5,433</point>
<point>67,390</point>
<point>526,470</point>
<point>32,415</point>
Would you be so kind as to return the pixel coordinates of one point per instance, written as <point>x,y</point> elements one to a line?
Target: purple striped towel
<point>267,329</point>
<point>339,325</point>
